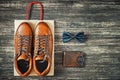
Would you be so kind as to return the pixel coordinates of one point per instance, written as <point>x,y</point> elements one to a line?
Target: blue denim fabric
<point>66,37</point>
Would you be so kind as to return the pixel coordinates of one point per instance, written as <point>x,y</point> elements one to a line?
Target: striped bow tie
<point>66,37</point>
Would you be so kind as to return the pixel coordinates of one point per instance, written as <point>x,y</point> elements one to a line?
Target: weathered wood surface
<point>99,19</point>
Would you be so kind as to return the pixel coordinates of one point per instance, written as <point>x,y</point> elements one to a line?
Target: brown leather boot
<point>22,46</point>
<point>43,46</point>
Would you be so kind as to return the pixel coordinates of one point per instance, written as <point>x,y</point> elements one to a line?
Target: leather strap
<point>29,9</point>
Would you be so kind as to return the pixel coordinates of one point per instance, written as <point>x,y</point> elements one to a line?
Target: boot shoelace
<point>24,45</point>
<point>42,46</point>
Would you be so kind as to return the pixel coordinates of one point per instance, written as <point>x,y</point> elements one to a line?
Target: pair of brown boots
<point>37,56</point>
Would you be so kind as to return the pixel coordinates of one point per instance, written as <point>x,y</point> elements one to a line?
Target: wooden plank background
<point>99,19</point>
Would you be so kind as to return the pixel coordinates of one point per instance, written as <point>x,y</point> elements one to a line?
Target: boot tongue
<point>40,57</point>
<point>23,63</point>
<point>23,56</point>
<point>41,65</point>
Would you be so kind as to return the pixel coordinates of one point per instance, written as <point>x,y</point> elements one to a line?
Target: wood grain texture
<point>100,21</point>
